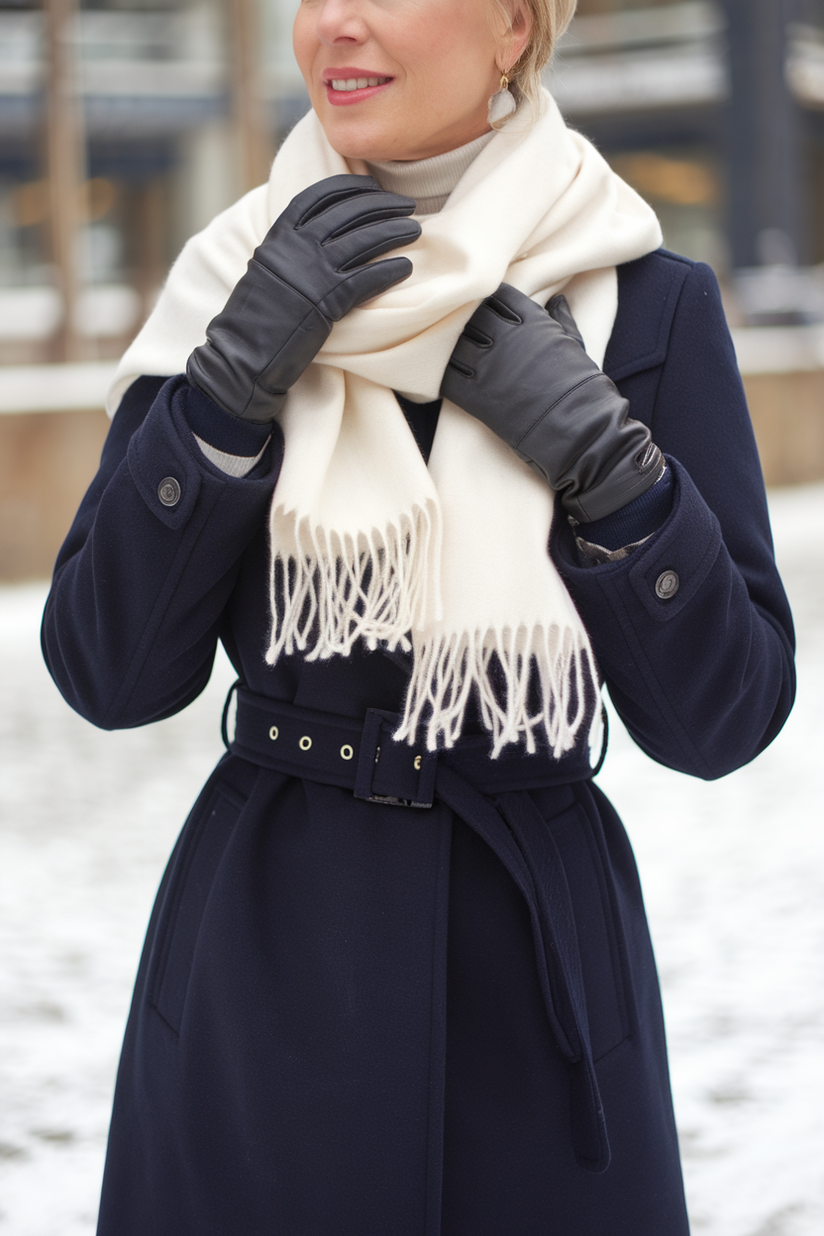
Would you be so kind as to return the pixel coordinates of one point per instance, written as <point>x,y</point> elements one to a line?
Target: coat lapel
<point>648,292</point>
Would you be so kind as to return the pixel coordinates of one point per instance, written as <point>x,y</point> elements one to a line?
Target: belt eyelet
<point>417,763</point>
<point>305,743</point>
<point>274,733</point>
<point>346,752</point>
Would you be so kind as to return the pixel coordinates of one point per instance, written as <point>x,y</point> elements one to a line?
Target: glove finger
<point>477,337</point>
<point>363,284</point>
<point>559,310</point>
<point>315,200</point>
<point>469,349</point>
<point>511,305</point>
<point>473,333</point>
<point>495,318</point>
<point>494,304</point>
<point>454,367</point>
<point>462,366</point>
<point>355,211</point>
<point>371,241</point>
<point>488,323</point>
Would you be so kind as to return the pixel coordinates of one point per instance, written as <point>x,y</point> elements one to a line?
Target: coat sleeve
<point>693,632</point>
<point>132,619</point>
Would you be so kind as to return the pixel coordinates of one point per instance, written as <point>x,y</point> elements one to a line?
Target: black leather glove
<point>523,371</point>
<point>308,273</point>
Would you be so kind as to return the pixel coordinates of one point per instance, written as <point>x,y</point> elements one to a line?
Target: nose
<point>341,21</point>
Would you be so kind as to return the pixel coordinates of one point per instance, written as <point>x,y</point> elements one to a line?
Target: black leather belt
<point>362,756</point>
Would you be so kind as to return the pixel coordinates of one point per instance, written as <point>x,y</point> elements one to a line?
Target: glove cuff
<point>627,480</point>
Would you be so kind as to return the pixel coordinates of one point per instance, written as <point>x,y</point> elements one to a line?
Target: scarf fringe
<point>338,589</point>
<point>554,664</point>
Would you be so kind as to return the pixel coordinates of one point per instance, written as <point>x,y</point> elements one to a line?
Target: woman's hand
<point>307,274</point>
<point>523,371</point>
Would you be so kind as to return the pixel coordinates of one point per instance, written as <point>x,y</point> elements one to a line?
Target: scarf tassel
<point>338,588</point>
<point>526,682</point>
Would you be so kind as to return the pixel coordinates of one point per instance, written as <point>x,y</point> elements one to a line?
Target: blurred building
<point>160,150</point>
<point>714,111</point>
<point>125,125</point>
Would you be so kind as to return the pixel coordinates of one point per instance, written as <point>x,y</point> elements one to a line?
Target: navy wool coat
<point>360,1019</point>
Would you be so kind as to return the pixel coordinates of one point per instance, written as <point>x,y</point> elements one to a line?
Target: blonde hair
<point>550,19</point>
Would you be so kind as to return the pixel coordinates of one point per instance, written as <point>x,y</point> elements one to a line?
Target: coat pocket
<point>598,929</point>
<point>195,863</point>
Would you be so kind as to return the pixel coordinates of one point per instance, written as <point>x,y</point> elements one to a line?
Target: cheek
<point>437,52</point>
<point>455,73</point>
<point>462,53</point>
<point>304,43</point>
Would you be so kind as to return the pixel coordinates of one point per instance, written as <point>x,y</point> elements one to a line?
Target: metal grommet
<point>274,732</point>
<point>666,585</point>
<point>417,763</point>
<point>346,752</point>
<point>168,491</point>
<point>305,743</point>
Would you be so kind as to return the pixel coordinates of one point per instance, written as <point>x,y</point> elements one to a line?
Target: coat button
<point>168,491</point>
<point>666,585</point>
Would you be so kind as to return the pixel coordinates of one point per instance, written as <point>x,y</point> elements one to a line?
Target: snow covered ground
<point>734,879</point>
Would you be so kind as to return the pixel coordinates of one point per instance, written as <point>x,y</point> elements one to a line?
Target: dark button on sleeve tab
<point>168,491</point>
<point>666,585</point>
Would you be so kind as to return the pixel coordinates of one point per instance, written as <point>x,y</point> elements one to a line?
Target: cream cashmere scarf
<point>367,541</point>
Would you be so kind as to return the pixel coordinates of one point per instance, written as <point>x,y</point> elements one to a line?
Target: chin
<point>356,142</point>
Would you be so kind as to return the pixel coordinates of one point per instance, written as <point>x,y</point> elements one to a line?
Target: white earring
<point>501,105</point>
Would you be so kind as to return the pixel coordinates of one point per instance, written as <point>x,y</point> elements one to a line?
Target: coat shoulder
<point>648,293</point>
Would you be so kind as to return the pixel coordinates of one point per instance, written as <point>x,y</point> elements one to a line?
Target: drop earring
<point>501,105</point>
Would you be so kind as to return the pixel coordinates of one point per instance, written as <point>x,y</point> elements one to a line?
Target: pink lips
<point>343,98</point>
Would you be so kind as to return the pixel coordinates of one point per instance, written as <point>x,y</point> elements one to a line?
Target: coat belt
<point>363,757</point>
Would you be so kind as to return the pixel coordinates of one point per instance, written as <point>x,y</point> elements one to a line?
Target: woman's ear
<point>517,37</point>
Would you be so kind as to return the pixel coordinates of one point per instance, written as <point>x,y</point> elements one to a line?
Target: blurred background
<point>125,125</point>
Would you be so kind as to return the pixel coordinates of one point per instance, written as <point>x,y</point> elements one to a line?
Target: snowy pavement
<point>733,874</point>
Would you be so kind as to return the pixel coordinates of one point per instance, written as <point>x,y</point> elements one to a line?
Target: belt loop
<point>426,781</point>
<point>369,753</point>
<point>378,745</point>
<point>604,740</point>
<point>224,720</point>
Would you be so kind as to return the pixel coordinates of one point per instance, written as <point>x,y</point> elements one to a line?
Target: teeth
<point>357,83</point>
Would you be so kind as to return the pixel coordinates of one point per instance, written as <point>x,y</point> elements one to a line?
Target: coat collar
<point>648,292</point>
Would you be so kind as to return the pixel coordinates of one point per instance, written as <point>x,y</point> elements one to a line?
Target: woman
<point>398,977</point>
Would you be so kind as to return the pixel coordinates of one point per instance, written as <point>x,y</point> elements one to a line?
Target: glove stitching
<point>590,377</point>
<point>257,384</point>
<point>284,282</point>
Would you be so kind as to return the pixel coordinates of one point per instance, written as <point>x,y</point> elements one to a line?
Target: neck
<point>428,181</point>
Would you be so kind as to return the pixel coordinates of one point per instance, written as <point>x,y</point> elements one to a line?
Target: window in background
<point>684,188</point>
<point>647,83</point>
<point>154,79</point>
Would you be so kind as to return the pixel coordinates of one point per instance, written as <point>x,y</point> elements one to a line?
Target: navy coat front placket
<point>338,1026</point>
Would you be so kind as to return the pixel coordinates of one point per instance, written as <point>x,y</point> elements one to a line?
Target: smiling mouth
<point>345,84</point>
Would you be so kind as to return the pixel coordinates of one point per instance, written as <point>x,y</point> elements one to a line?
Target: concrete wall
<point>787,411</point>
<point>47,460</point>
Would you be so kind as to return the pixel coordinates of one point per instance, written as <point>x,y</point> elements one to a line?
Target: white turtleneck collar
<point>428,181</point>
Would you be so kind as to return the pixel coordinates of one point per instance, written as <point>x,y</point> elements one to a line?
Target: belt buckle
<point>419,777</point>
